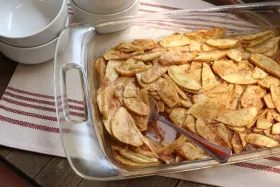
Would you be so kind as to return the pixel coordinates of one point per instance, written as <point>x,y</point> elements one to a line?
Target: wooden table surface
<point>51,171</point>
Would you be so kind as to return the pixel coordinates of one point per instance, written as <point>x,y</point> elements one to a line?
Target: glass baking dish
<point>85,142</point>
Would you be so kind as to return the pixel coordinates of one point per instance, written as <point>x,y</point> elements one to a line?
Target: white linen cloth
<point>28,118</point>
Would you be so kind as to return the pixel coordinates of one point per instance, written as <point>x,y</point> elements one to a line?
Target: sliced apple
<point>153,93</point>
<point>259,40</point>
<point>110,73</point>
<point>268,82</point>
<point>161,105</point>
<point>180,76</point>
<point>240,77</point>
<point>261,115</point>
<point>127,162</point>
<point>114,54</point>
<point>223,87</point>
<point>130,90</point>
<point>151,87</point>
<point>275,115</point>
<point>234,54</point>
<point>136,45</point>
<point>189,124</point>
<point>119,146</point>
<point>182,49</point>
<point>179,90</point>
<point>268,133</point>
<point>185,103</point>
<point>268,101</point>
<point>236,143</point>
<point>199,98</point>
<point>104,99</point>
<point>211,33</point>
<point>210,56</point>
<point>194,36</point>
<point>265,46</point>
<point>153,73</point>
<point>196,74</point>
<point>210,108</point>
<point>154,146</point>
<point>257,130</point>
<point>207,48</point>
<point>169,149</point>
<point>209,134</point>
<point>148,56</point>
<point>266,63</point>
<point>269,116</point>
<point>174,41</point>
<point>224,67</point>
<point>141,122</point>
<point>253,36</point>
<point>124,129</point>
<point>191,152</point>
<point>195,45</point>
<point>156,97</point>
<point>238,118</point>
<point>275,96</point>
<point>137,106</point>
<point>237,129</point>
<point>158,48</point>
<point>259,73</point>
<point>260,140</point>
<point>145,96</point>
<point>130,67</point>
<point>100,67</point>
<point>272,52</point>
<point>167,92</point>
<point>242,136</point>
<point>263,124</point>
<point>275,129</point>
<point>222,131</point>
<point>252,97</point>
<point>208,77</point>
<point>238,90</point>
<point>222,43</point>
<point>176,58</point>
<point>196,65</point>
<point>138,158</point>
<point>178,116</point>
<point>114,106</point>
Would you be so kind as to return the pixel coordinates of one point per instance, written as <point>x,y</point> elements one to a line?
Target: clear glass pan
<point>85,141</point>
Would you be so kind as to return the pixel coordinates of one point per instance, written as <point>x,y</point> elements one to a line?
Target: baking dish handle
<point>79,139</point>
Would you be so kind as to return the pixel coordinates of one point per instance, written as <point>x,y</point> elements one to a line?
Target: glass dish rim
<point>165,14</point>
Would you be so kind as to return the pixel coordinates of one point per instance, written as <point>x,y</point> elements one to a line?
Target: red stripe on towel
<point>28,113</point>
<point>29,125</point>
<point>38,107</point>
<point>258,167</point>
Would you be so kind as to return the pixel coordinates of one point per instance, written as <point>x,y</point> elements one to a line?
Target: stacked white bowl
<point>29,29</point>
<point>102,10</point>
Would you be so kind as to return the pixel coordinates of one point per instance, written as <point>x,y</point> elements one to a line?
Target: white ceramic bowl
<point>28,23</point>
<point>82,16</point>
<point>104,6</point>
<point>31,55</point>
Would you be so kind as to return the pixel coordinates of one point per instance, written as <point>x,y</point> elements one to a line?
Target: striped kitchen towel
<point>28,117</point>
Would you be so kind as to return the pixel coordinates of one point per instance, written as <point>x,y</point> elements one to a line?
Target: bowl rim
<point>28,48</point>
<point>35,47</point>
<point>47,26</point>
<point>105,15</point>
